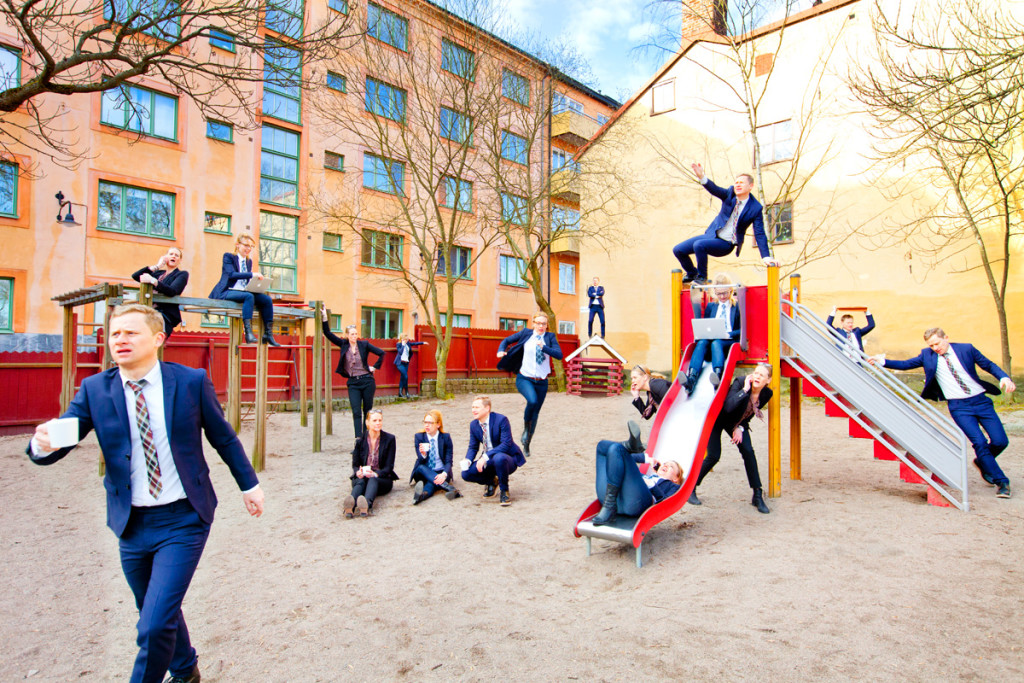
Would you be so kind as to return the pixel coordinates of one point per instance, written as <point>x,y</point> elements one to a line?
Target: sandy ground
<point>852,577</point>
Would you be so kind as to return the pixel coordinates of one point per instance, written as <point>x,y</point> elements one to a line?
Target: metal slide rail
<point>881,404</point>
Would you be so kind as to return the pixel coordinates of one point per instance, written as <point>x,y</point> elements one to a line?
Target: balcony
<point>573,128</point>
<point>566,244</point>
<point>565,184</point>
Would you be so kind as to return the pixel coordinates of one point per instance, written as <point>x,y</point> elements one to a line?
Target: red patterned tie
<point>146,434</point>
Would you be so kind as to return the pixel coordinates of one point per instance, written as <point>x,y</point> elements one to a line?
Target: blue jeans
<point>972,415</point>
<point>403,381</point>
<point>426,475</point>
<point>534,391</point>
<point>248,299</point>
<point>719,351</point>
<point>701,247</point>
<point>599,312</point>
<point>616,467</point>
<point>160,550</point>
<point>500,465</point>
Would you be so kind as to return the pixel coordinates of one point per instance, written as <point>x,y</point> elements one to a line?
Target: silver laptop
<point>709,328</point>
<point>258,286</point>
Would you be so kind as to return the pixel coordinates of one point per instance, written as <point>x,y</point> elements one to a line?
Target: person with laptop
<point>239,283</point>
<point>717,330</point>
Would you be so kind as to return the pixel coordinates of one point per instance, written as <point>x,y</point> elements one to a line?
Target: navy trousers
<point>360,399</point>
<point>426,475</point>
<point>701,247</point>
<point>534,391</point>
<point>249,300</point>
<point>599,312</point>
<point>972,415</point>
<point>403,380</point>
<point>719,351</point>
<point>499,465</point>
<point>160,550</point>
<point>616,466</point>
<point>371,487</point>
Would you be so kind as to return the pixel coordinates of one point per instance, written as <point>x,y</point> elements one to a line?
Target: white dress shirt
<point>725,313</point>
<point>171,488</point>
<point>728,231</point>
<point>240,284</point>
<point>948,383</point>
<point>530,367</point>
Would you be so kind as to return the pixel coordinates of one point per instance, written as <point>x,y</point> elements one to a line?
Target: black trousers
<point>714,454</point>
<point>360,397</point>
<point>371,487</point>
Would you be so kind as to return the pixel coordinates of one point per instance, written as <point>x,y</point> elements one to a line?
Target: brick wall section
<point>701,16</point>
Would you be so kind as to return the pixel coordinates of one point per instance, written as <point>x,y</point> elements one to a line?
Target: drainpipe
<point>547,166</point>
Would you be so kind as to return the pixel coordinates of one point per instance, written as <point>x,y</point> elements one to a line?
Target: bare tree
<point>946,89</point>
<point>86,46</point>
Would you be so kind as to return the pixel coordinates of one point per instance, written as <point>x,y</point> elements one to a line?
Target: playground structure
<point>930,448</point>
<point>594,375</point>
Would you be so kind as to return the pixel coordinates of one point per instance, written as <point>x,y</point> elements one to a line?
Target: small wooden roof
<point>598,342</point>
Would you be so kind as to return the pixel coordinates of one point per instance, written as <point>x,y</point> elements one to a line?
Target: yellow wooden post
<point>329,391</point>
<point>677,318</point>
<point>67,361</point>
<point>113,299</point>
<point>303,412</point>
<point>795,399</point>
<point>259,449</point>
<point>774,418</point>
<point>318,373</point>
<point>146,294</point>
<point>235,374</point>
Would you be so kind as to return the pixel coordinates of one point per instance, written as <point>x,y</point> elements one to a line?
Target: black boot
<point>528,428</point>
<point>758,502</point>
<point>609,506</point>
<point>268,333</point>
<point>691,382</point>
<point>694,500</point>
<point>633,444</point>
<point>450,492</point>
<point>250,338</point>
<point>716,377</point>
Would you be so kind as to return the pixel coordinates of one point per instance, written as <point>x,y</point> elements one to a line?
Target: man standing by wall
<point>595,293</point>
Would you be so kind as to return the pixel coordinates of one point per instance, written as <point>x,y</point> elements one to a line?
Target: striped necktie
<point>146,435</point>
<point>956,375</point>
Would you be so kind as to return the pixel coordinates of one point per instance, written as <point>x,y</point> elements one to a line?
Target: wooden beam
<point>795,402</point>
<point>303,388</point>
<point>235,375</point>
<point>774,406</point>
<point>318,374</point>
<point>259,449</point>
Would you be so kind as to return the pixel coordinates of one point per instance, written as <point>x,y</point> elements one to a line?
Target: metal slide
<point>924,439</point>
<point>680,432</point>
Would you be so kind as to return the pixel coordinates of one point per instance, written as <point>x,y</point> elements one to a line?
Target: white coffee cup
<point>63,432</point>
<point>466,464</point>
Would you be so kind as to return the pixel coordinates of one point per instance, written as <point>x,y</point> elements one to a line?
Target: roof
<point>596,341</point>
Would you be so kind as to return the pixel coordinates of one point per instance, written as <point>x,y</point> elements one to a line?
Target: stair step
<point>908,475</point>
<point>811,390</point>
<point>833,408</point>
<point>858,432</point>
<point>882,452</point>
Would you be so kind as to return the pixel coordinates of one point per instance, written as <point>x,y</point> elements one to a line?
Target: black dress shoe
<point>702,281</point>
<point>1003,491</point>
<point>694,500</point>
<point>758,502</point>
<point>506,500</point>
<point>491,489</point>
<point>689,278</point>
<point>987,478</point>
<point>192,677</point>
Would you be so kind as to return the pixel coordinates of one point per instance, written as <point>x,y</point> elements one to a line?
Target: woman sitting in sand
<point>623,489</point>
<point>434,452</point>
<point>373,466</point>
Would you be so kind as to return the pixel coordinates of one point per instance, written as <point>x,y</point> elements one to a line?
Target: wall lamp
<point>69,219</point>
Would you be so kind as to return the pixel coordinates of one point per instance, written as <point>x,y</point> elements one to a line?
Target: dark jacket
<point>229,275</point>
<point>444,444</point>
<point>172,285</point>
<point>736,404</point>
<point>595,293</point>
<point>711,311</point>
<point>398,351</point>
<point>365,349</point>
<point>512,361</point>
<point>663,489</point>
<point>751,216</point>
<point>968,357</point>
<point>659,387</point>
<point>501,439</point>
<point>858,332</point>
<point>386,456</point>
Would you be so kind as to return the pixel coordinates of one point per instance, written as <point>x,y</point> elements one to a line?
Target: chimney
<point>700,17</point>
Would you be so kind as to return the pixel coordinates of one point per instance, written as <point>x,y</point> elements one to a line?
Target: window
<point>511,324</point>
<point>382,250</point>
<point>515,87</point>
<point>561,102</point>
<point>510,270</point>
<point>6,304</point>
<point>279,250</point>
<point>455,126</point>
<point>564,219</point>
<point>663,97</point>
<point>601,119</point>
<point>338,6</point>
<point>458,194</point>
<point>385,100</point>
<point>8,189</point>
<point>460,258</point>
<point>561,159</point>
<point>282,82</point>
<point>219,130</point>
<point>334,161</point>
<point>214,320</point>
<point>285,17</point>
<point>513,209</point>
<point>381,323</point>
<point>780,222</point>
<point>776,141</point>
<point>279,166</point>
<point>10,68</point>
<point>135,210</point>
<point>513,147</point>
<point>224,41</point>
<point>217,222</point>
<point>335,323</point>
<point>144,15</point>
<point>337,82</point>
<point>332,242</point>
<point>566,327</point>
<point>458,320</point>
<point>139,109</point>
<point>566,278</point>
<point>387,27</point>
<point>383,175</point>
<point>457,59</point>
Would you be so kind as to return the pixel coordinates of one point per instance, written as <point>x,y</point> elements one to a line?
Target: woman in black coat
<point>354,367</point>
<point>373,466</point>
<point>747,395</point>
<point>168,280</point>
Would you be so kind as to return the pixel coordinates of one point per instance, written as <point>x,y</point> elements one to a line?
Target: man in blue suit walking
<point>739,211</point>
<point>501,455</point>
<point>950,375</point>
<point>149,418</point>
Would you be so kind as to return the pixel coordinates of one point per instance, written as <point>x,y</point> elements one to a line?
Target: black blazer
<point>512,361</point>
<point>229,275</point>
<point>172,285</point>
<point>365,348</point>
<point>386,461</point>
<point>736,404</point>
<point>659,387</point>
<point>444,443</point>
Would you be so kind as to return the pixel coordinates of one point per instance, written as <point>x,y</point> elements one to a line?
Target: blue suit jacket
<point>751,216</point>
<point>398,351</point>
<point>190,407</point>
<point>513,360</point>
<point>858,332</point>
<point>711,311</point>
<point>229,274</point>
<point>596,293</point>
<point>968,356</point>
<point>501,438</point>
<point>444,444</point>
